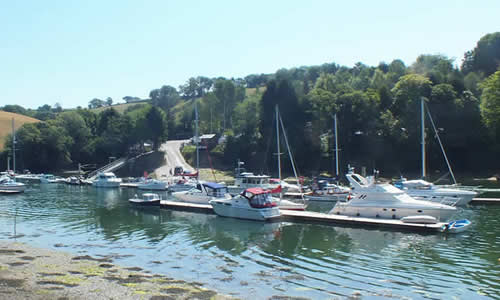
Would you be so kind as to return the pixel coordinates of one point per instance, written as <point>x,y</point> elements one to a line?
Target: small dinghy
<point>148,199</point>
<point>457,226</point>
<point>419,219</point>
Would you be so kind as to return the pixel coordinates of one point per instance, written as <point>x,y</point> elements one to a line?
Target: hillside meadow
<point>6,124</point>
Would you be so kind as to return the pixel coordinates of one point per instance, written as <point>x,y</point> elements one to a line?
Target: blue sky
<point>69,51</point>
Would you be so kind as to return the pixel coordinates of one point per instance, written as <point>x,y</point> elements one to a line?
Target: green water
<point>260,260</point>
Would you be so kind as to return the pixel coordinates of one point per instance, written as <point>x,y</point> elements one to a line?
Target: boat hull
<point>188,197</point>
<point>227,209</point>
<point>387,212</point>
<point>140,202</point>
<point>108,184</point>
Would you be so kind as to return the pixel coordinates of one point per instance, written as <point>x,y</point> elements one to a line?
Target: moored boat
<point>8,184</point>
<point>107,180</point>
<point>152,184</point>
<point>203,193</point>
<point>148,199</point>
<point>425,190</point>
<point>252,204</point>
<point>375,200</point>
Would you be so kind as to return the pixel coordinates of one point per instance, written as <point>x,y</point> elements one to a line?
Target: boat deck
<point>316,217</point>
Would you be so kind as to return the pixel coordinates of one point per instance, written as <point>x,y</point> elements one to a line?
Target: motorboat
<point>10,185</point>
<point>246,180</point>
<point>49,178</point>
<point>288,204</point>
<point>424,190</point>
<point>382,200</point>
<point>322,190</point>
<point>203,193</point>
<point>252,204</point>
<point>457,226</point>
<point>73,180</point>
<point>152,184</point>
<point>148,199</point>
<point>107,180</point>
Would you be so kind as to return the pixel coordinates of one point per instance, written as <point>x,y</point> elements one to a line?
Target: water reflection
<point>260,259</point>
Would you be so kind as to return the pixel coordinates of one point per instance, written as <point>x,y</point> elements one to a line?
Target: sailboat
<point>424,190</point>
<point>326,191</point>
<point>285,203</point>
<point>7,183</point>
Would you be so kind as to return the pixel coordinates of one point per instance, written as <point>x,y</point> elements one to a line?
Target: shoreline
<point>28,272</point>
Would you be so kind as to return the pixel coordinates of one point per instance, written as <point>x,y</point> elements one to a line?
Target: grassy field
<point>118,107</point>
<point>6,124</point>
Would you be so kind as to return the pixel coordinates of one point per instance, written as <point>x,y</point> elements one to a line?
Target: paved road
<point>173,158</point>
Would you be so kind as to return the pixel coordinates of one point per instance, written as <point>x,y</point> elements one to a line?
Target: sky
<point>72,51</point>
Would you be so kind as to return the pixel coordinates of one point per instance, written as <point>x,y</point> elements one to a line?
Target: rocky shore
<point>32,273</point>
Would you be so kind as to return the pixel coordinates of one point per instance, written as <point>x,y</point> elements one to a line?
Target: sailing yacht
<point>424,190</point>
<point>286,203</point>
<point>375,200</point>
<point>322,189</point>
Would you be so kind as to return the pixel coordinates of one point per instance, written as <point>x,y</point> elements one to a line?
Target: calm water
<point>256,260</point>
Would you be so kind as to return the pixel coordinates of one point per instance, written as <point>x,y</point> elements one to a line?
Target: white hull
<point>186,196</point>
<point>107,184</point>
<point>439,212</point>
<point>449,198</point>
<point>13,187</point>
<point>227,209</point>
<point>290,205</point>
<point>157,186</point>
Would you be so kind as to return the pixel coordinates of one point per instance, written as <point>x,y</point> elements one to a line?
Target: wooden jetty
<point>316,217</point>
<point>485,201</point>
<point>129,185</point>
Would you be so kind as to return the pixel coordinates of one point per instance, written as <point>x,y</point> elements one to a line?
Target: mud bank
<point>33,273</point>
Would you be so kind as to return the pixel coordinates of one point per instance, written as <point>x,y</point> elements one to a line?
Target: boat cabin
<point>249,179</point>
<point>213,189</point>
<point>258,198</point>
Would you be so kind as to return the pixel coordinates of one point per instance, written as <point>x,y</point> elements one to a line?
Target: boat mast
<point>422,128</point>
<point>288,148</point>
<point>442,148</point>
<point>336,146</point>
<point>13,147</point>
<point>278,143</point>
<point>196,137</point>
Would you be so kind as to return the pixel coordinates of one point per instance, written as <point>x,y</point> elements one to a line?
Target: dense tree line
<point>83,136</point>
<point>378,111</point>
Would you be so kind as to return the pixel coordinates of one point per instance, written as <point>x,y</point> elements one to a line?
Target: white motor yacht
<point>108,180</point>
<point>373,200</point>
<point>246,180</point>
<point>148,199</point>
<point>8,184</point>
<point>424,190</point>
<point>252,204</point>
<point>152,184</point>
<point>203,192</point>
